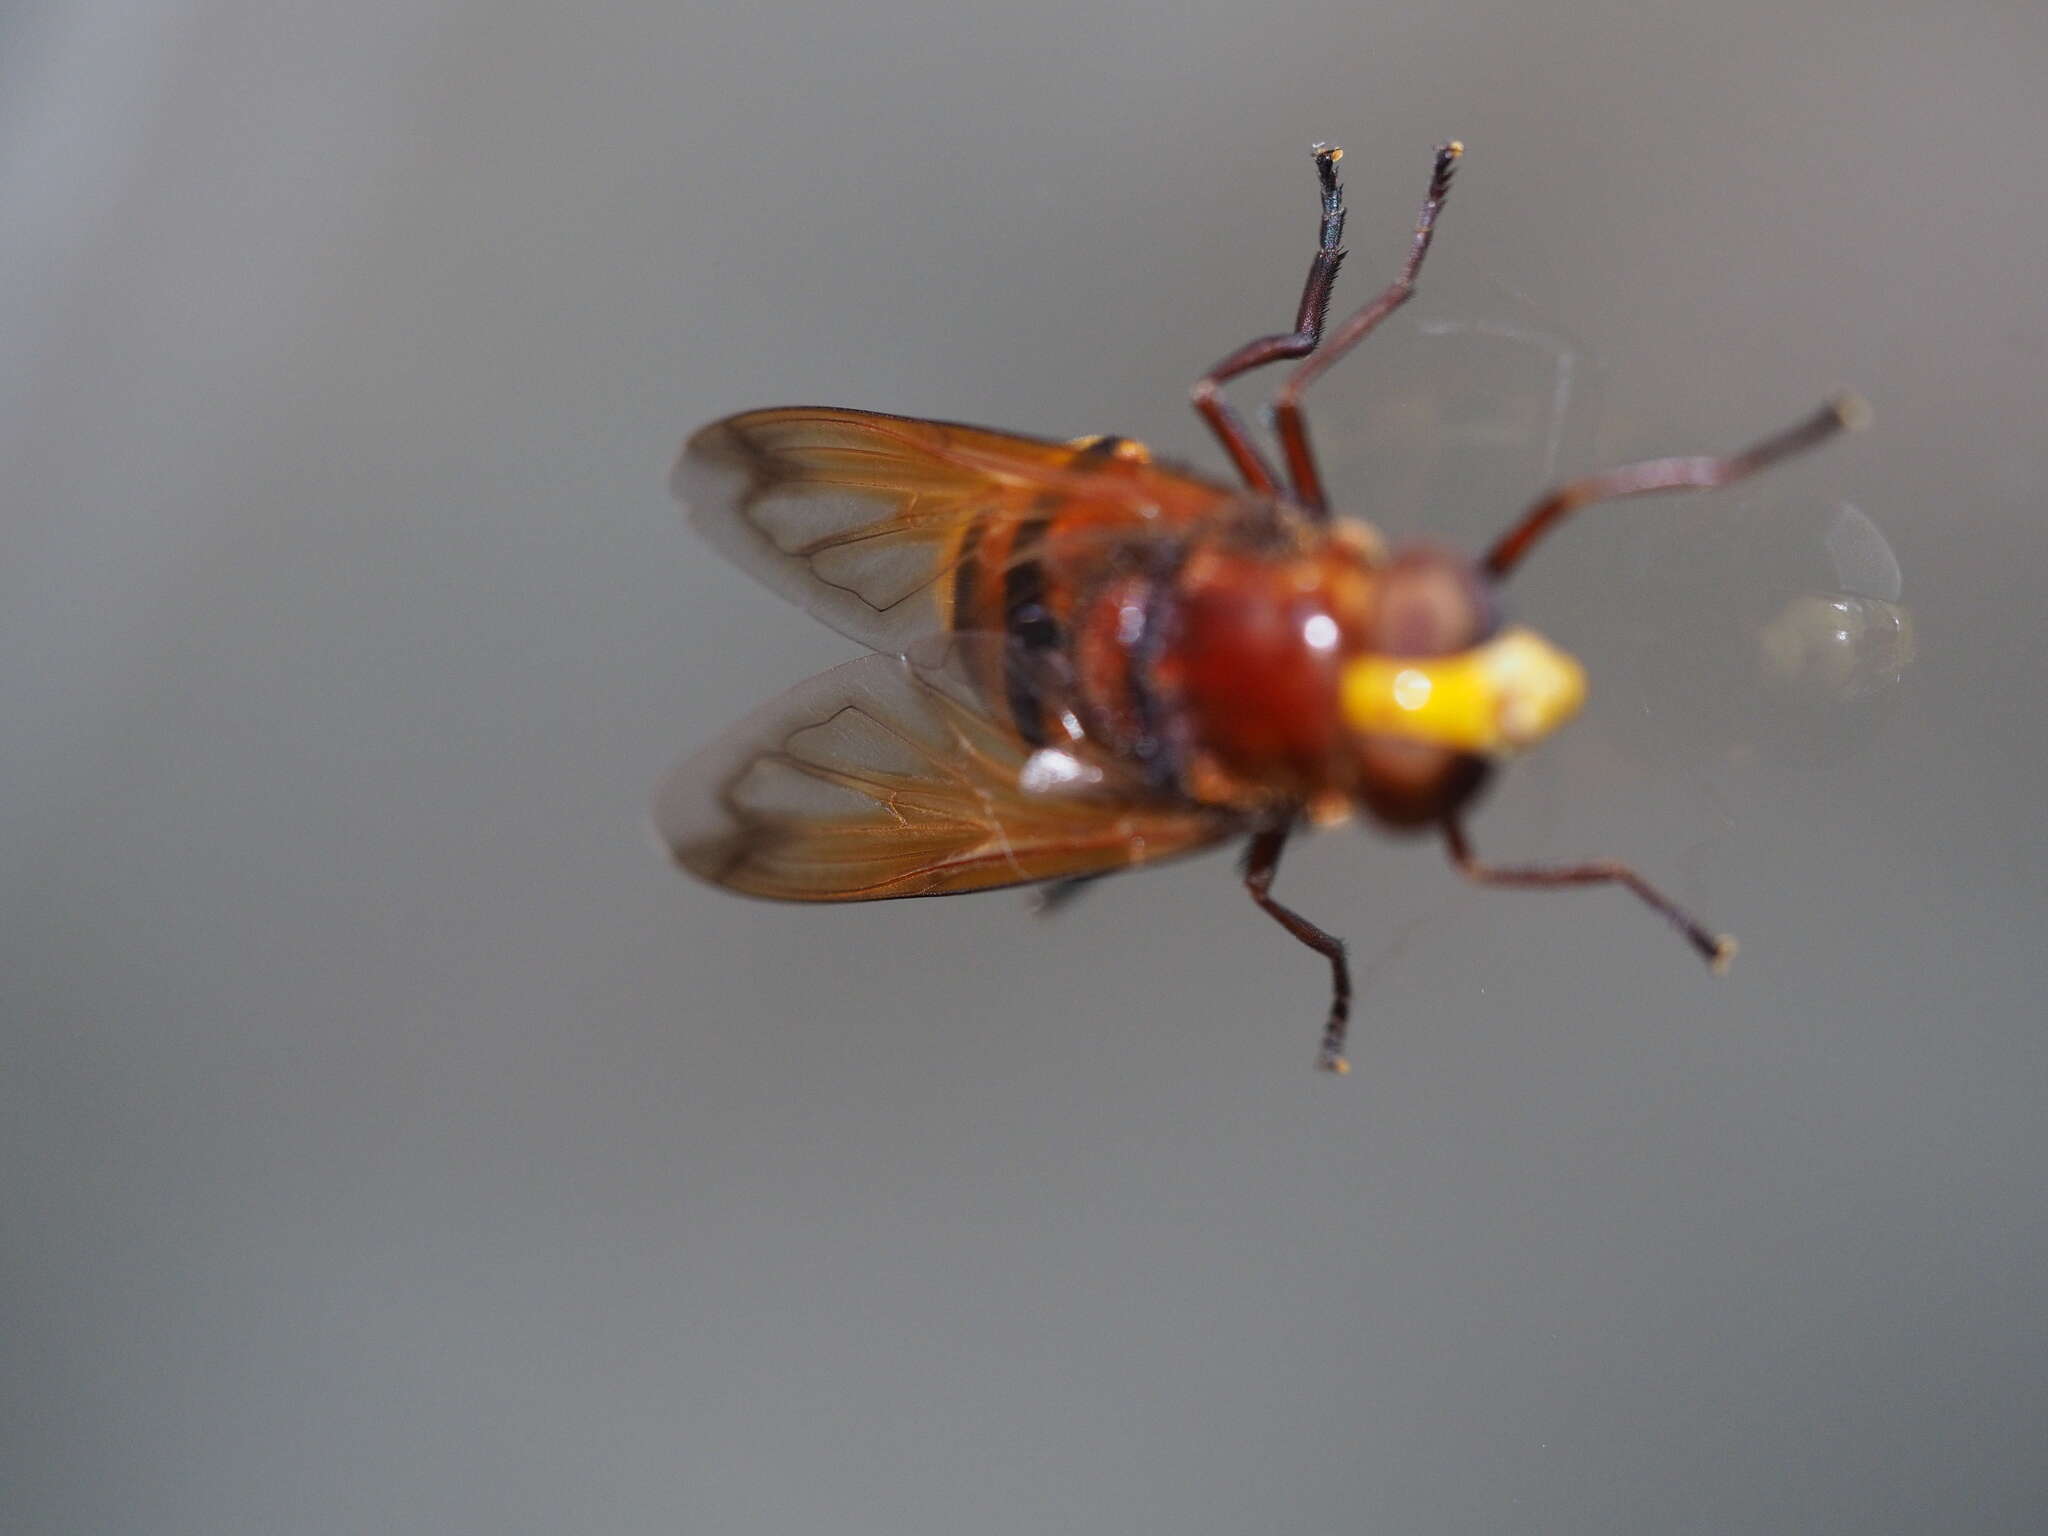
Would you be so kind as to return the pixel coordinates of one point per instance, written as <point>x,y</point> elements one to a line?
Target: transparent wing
<point>889,776</point>
<point>856,516</point>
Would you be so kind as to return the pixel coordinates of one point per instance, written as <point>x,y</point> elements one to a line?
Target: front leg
<point>1207,393</point>
<point>1287,415</point>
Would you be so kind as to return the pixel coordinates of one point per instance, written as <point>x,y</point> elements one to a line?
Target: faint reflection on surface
<point>1864,564</point>
<point>1851,642</point>
<point>1532,416</point>
<point>1831,658</point>
<point>1836,647</point>
<point>1464,413</point>
<point>1781,638</point>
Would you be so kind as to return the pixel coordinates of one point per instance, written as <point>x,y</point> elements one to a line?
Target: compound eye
<point>1432,604</point>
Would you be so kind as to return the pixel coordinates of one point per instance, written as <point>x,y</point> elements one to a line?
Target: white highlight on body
<point>1049,769</point>
<point>1320,631</point>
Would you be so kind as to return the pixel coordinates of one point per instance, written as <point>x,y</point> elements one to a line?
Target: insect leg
<point>1056,897</point>
<point>1261,863</point>
<point>1653,475</point>
<point>1207,392</point>
<point>1291,424</point>
<point>1717,949</point>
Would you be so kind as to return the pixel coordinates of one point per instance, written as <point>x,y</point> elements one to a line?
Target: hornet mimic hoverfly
<point>1087,660</point>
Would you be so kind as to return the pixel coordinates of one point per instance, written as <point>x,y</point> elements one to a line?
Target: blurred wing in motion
<point>888,776</point>
<point>857,516</point>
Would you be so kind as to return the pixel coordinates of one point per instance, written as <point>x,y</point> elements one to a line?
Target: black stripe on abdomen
<point>1157,747</point>
<point>967,579</point>
<point>1032,631</point>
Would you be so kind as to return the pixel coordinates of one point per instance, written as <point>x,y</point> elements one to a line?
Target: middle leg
<point>1261,864</point>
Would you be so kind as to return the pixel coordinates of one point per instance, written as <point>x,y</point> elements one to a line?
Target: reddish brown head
<point>1432,602</point>
<point>1338,677</point>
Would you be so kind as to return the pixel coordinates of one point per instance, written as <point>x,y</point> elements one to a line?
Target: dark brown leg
<point>1292,425</point>
<point>1207,393</point>
<point>1054,898</point>
<point>1261,863</point>
<point>1717,949</point>
<point>1654,475</point>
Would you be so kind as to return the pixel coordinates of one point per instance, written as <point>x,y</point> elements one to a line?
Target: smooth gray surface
<point>393,1142</point>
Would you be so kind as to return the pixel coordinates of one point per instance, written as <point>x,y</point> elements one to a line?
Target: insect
<point>1087,660</point>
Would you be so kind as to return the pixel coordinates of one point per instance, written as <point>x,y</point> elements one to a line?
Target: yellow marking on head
<point>1493,699</point>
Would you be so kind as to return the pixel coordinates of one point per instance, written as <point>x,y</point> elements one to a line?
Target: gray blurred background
<point>394,1142</point>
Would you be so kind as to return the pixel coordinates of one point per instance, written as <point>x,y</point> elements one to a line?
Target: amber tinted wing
<point>857,516</point>
<point>888,777</point>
